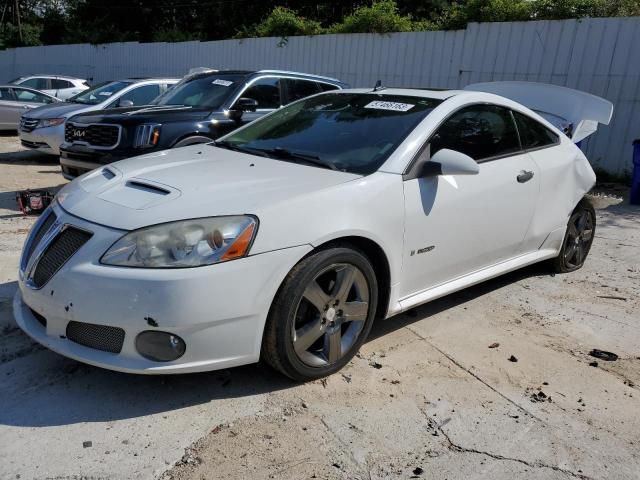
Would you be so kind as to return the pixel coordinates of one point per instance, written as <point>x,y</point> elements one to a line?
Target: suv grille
<point>37,236</point>
<point>100,337</point>
<point>58,252</point>
<point>28,124</point>
<point>95,135</point>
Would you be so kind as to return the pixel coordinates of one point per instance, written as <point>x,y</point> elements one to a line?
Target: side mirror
<point>125,103</point>
<point>246,105</point>
<point>449,162</point>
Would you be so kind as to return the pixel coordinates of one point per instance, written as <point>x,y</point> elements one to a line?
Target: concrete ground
<point>433,393</point>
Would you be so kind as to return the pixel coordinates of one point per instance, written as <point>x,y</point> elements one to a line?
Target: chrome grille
<point>58,252</point>
<point>28,124</point>
<point>100,337</point>
<point>97,135</point>
<point>39,233</point>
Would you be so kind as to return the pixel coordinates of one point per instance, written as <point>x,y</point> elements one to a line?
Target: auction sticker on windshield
<point>396,107</point>
<point>224,83</point>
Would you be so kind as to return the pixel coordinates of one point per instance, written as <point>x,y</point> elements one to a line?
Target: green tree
<point>283,22</point>
<point>381,17</point>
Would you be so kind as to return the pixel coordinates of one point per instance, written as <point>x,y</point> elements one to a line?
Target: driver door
<point>456,225</point>
<point>267,91</point>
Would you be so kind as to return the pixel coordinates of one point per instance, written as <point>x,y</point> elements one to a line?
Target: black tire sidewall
<point>289,296</point>
<point>560,263</point>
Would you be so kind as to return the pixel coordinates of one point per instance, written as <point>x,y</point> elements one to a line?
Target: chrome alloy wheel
<point>579,238</point>
<point>330,315</point>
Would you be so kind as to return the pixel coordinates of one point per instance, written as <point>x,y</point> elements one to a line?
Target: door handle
<point>525,176</point>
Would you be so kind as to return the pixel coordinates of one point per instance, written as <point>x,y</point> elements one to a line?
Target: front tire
<point>322,314</point>
<point>578,238</point>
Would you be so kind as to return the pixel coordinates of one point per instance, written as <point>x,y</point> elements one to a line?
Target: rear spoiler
<point>574,112</point>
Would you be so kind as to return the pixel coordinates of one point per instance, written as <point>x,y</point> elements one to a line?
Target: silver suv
<point>60,87</point>
<point>43,128</point>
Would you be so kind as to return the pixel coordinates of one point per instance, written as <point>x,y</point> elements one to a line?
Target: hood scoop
<point>139,193</point>
<point>110,185</point>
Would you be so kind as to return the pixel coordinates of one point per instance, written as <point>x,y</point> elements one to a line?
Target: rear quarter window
<point>533,134</point>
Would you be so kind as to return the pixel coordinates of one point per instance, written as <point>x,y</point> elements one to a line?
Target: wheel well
<point>191,134</point>
<point>378,260</point>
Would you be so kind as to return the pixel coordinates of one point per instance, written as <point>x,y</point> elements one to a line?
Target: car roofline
<point>302,74</point>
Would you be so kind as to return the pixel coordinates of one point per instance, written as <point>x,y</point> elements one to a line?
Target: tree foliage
<point>36,22</point>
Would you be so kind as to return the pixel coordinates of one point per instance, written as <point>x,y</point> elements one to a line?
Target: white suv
<point>61,87</point>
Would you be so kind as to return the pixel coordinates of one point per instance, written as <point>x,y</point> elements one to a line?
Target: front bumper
<point>76,160</point>
<point>219,310</point>
<point>46,140</point>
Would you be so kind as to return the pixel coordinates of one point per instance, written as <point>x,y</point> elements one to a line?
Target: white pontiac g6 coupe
<point>285,239</point>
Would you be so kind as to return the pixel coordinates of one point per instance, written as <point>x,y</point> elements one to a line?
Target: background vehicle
<point>202,107</point>
<point>285,239</point>
<point>14,101</point>
<point>43,128</point>
<point>58,86</point>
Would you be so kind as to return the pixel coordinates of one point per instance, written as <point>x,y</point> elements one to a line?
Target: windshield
<point>209,91</point>
<point>17,79</point>
<point>99,93</point>
<point>352,132</point>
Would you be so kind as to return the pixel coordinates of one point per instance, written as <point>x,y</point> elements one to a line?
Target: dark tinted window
<point>58,84</point>
<point>142,95</point>
<point>326,87</point>
<point>6,95</point>
<point>37,83</point>
<point>297,89</point>
<point>266,91</point>
<point>353,132</point>
<point>480,131</point>
<point>532,133</point>
<point>206,90</point>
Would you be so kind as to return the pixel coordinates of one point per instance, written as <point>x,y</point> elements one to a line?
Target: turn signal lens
<point>241,245</point>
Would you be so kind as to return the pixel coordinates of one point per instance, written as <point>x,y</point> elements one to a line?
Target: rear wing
<point>574,112</point>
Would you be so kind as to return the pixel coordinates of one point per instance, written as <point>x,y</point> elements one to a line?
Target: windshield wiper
<point>284,154</point>
<point>237,148</point>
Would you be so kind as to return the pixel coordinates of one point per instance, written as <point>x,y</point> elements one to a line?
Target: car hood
<point>56,110</point>
<point>136,115</point>
<point>190,182</point>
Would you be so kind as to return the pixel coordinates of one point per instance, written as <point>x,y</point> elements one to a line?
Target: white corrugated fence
<point>599,56</point>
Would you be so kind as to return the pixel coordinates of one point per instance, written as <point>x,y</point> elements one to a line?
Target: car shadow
<point>44,389</point>
<point>68,392</point>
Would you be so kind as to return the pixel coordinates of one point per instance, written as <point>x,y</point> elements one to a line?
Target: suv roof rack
<point>301,73</point>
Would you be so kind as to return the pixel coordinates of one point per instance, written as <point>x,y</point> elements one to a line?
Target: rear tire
<point>322,314</point>
<point>581,230</point>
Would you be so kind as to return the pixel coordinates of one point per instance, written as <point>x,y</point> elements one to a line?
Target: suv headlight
<point>50,122</point>
<point>186,243</point>
<point>147,135</point>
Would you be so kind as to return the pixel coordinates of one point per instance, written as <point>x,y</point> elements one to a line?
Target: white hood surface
<point>191,182</point>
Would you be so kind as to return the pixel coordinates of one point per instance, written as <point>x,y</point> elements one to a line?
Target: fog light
<point>160,346</point>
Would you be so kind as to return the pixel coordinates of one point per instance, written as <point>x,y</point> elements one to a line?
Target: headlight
<point>187,243</point>
<point>50,122</point>
<point>147,135</point>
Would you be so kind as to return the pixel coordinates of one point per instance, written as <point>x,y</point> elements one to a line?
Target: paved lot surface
<point>426,398</point>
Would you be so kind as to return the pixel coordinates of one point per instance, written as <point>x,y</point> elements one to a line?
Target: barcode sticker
<point>224,83</point>
<point>394,106</point>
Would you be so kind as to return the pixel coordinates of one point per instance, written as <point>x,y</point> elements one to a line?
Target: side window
<point>266,92</point>
<point>327,87</point>
<point>297,89</point>
<point>532,133</point>
<point>58,84</point>
<point>6,95</point>
<point>480,131</point>
<point>37,83</point>
<point>30,96</point>
<point>142,95</point>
